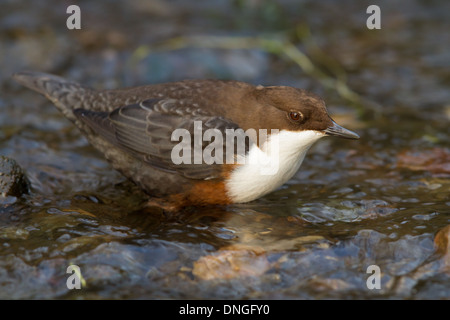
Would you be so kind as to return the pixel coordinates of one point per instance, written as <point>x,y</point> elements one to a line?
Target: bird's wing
<point>147,130</point>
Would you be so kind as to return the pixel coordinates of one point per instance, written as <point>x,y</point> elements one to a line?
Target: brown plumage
<point>132,127</point>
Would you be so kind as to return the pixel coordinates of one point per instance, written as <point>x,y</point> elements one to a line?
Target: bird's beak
<point>338,131</point>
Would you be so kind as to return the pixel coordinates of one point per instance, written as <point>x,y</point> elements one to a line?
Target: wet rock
<point>442,245</point>
<point>328,284</point>
<point>13,182</point>
<point>436,160</point>
<point>232,262</point>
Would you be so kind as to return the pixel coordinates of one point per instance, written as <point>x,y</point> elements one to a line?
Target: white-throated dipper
<point>133,128</point>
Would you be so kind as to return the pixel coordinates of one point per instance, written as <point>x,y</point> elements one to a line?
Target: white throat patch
<point>270,166</point>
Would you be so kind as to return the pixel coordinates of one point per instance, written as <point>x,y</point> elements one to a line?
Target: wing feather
<point>144,130</point>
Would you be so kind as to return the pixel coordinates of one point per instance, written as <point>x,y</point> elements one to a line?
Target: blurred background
<point>381,200</point>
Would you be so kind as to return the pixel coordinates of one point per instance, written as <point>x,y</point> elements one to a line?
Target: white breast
<point>270,166</point>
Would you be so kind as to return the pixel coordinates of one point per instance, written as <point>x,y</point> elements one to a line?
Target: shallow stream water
<point>383,200</point>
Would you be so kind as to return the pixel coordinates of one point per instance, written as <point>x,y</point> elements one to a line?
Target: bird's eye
<point>296,116</point>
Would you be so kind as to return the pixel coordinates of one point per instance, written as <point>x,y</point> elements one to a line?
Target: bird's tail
<point>65,94</point>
